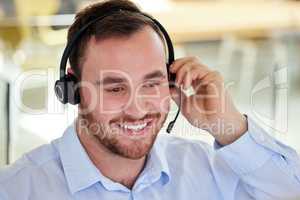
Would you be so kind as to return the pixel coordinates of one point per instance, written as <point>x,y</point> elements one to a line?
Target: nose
<point>136,107</point>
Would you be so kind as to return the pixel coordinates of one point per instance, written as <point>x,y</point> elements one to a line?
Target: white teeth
<point>134,127</point>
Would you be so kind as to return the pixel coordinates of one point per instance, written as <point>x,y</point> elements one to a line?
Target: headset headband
<point>70,45</point>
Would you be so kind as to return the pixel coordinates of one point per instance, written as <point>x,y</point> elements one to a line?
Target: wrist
<point>231,130</point>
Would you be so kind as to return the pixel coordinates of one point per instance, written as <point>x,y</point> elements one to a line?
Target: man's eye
<point>150,85</point>
<point>115,90</point>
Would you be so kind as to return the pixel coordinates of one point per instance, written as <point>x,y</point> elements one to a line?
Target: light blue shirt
<point>256,166</point>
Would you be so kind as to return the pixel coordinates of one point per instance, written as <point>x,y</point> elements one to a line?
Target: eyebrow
<point>111,80</point>
<point>155,74</point>
<point>114,80</point>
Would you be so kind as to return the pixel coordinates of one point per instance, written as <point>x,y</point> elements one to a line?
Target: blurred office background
<point>255,44</point>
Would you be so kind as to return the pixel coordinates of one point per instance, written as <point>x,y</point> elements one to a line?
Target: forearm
<point>265,167</point>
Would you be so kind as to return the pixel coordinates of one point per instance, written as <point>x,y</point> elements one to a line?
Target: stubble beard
<point>116,143</point>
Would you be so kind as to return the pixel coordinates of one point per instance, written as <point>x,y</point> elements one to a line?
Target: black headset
<point>66,88</point>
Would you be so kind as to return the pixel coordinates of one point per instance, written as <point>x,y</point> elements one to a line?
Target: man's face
<point>125,95</point>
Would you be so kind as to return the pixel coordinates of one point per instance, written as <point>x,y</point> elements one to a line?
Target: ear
<point>70,71</point>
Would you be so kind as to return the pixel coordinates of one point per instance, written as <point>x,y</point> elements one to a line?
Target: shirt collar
<point>158,162</point>
<point>81,173</point>
<point>156,168</point>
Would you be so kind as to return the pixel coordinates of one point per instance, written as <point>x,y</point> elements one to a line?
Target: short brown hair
<point>119,24</point>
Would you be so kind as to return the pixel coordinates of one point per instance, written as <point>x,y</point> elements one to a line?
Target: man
<point>113,150</point>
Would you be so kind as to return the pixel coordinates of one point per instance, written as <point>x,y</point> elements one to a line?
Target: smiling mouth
<point>136,129</point>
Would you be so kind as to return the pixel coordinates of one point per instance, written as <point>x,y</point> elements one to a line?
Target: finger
<point>186,80</point>
<point>190,76</point>
<point>212,77</point>
<point>181,61</point>
<point>182,71</point>
<point>195,73</point>
<point>202,69</point>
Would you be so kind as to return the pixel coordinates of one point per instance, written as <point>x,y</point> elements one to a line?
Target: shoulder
<point>32,164</point>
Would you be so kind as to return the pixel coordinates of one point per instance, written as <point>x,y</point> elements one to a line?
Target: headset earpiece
<point>67,89</point>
